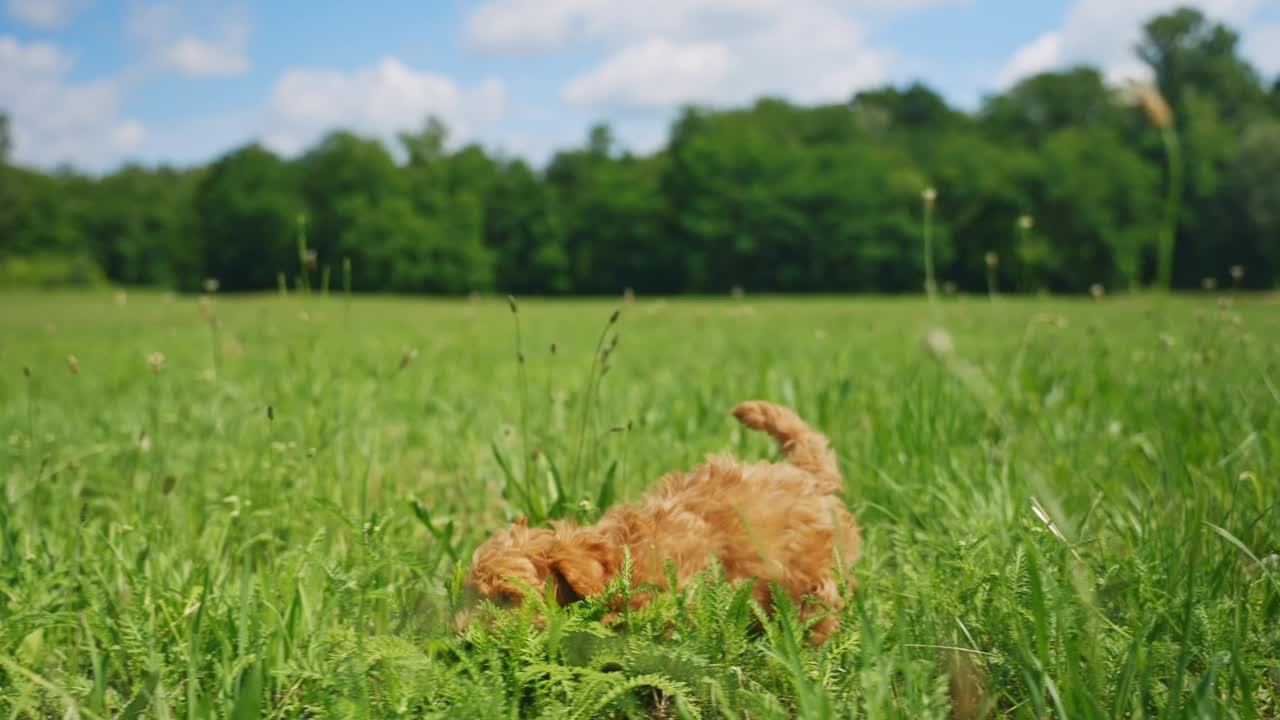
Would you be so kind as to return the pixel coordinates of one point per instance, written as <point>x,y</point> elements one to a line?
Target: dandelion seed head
<point>156,361</point>
<point>991,259</point>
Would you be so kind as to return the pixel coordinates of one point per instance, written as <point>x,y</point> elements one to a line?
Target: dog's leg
<point>804,447</point>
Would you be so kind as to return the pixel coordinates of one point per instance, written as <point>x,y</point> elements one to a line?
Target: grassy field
<point>258,507</point>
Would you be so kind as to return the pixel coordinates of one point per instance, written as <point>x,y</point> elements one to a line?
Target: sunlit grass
<point>259,508</point>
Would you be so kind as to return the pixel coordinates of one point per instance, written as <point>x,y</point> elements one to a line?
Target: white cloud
<point>380,99</point>
<point>55,120</point>
<point>1043,53</point>
<point>193,56</point>
<point>1262,45</point>
<point>524,25</point>
<point>45,14</point>
<point>662,53</point>
<point>172,42</point>
<point>654,73</point>
<point>1104,32</point>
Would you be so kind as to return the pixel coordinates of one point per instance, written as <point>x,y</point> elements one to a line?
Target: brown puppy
<point>775,522</point>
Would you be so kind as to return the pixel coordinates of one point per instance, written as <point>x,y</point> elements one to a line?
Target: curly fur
<point>774,522</point>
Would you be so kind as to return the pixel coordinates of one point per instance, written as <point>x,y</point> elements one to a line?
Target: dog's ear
<point>578,573</point>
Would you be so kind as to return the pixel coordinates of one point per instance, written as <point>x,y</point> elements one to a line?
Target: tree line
<point>1057,184</point>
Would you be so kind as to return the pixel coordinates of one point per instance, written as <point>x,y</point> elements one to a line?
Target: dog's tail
<point>804,447</point>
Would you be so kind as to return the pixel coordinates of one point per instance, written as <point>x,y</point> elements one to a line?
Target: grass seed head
<point>511,302</point>
<point>1237,273</point>
<point>409,356</point>
<point>156,361</point>
<point>614,317</point>
<point>1153,104</point>
<point>211,285</point>
<point>992,260</point>
<point>311,259</point>
<point>1097,292</point>
<point>930,196</point>
<point>939,342</point>
<point>1026,222</point>
<point>73,364</point>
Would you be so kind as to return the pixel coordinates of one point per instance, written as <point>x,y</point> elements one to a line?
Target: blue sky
<point>100,82</point>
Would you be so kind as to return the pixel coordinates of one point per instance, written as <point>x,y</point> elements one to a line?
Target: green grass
<point>271,525</point>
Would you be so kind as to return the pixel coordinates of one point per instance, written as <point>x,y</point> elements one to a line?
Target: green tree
<point>1043,104</point>
<point>6,140</point>
<point>524,232</point>
<point>246,207</point>
<point>448,192</point>
<point>1189,53</point>
<point>1253,196</point>
<point>983,186</point>
<point>1215,96</point>
<point>613,218</point>
<point>1097,206</point>
<point>138,223</point>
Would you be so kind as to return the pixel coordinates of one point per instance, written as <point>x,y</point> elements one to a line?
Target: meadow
<point>262,506</point>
